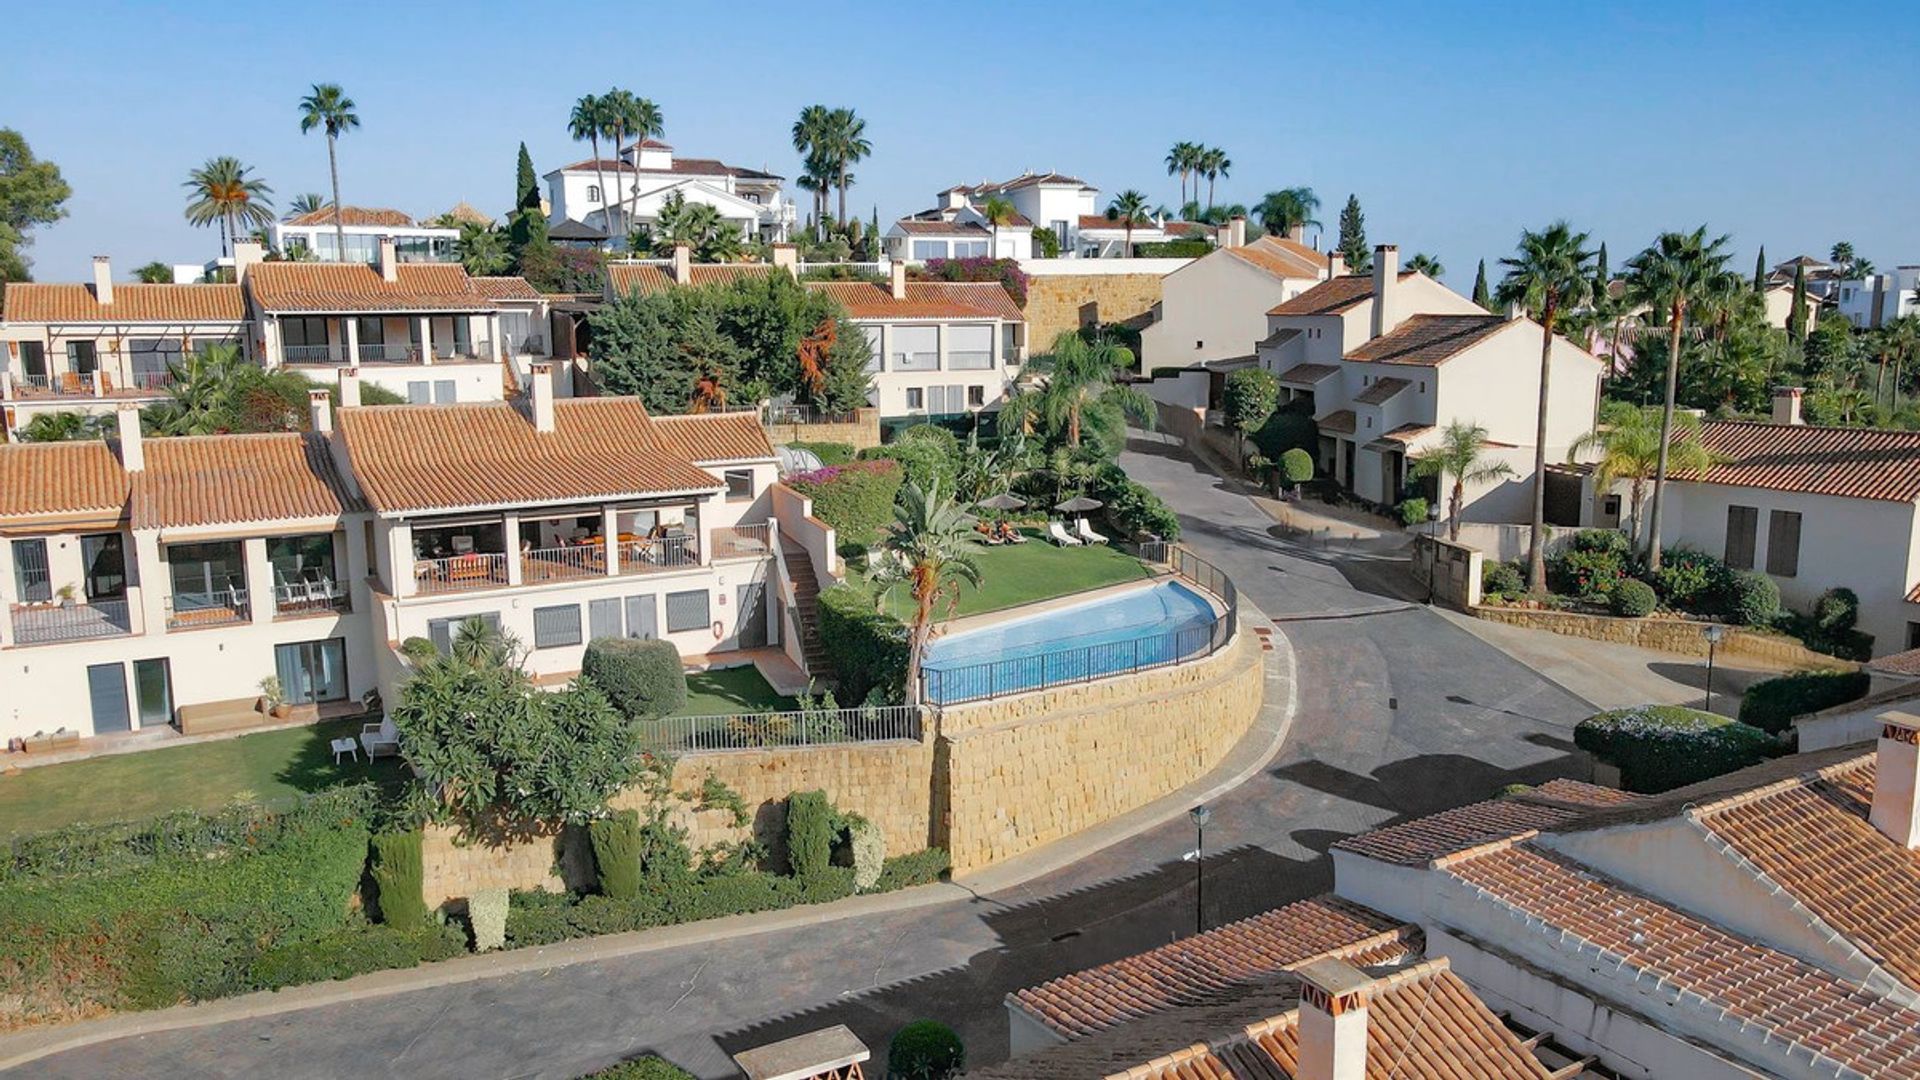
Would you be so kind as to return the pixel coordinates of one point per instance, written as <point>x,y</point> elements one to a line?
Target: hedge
<point>642,1068</point>
<point>1632,599</point>
<point>924,462</point>
<point>1771,704</point>
<point>616,853</point>
<point>1501,579</point>
<point>1753,600</point>
<point>811,826</point>
<point>829,453</point>
<point>925,1050</point>
<point>399,878</point>
<point>643,678</point>
<point>1132,507</point>
<point>856,499</point>
<point>356,949</point>
<point>1661,747</point>
<point>868,649</point>
<point>1591,564</point>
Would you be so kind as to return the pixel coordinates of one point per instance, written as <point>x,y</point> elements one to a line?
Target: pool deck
<point>1071,600</point>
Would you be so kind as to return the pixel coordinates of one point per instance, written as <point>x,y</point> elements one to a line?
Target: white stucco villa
<point>638,181</point>
<point>1878,299</point>
<point>312,236</point>
<point>1214,307</point>
<point>1064,205</point>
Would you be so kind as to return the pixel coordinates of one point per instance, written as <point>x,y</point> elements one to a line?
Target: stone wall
<point>455,866</point>
<point>1026,770</point>
<point>1057,303</point>
<point>1683,636</point>
<point>860,432</point>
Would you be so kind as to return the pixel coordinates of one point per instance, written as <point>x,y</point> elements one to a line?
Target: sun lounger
<point>1085,532</point>
<point>1059,535</point>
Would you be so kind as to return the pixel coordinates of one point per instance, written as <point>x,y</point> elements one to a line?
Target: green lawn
<point>204,776</point>
<point>729,690</point>
<point>1037,570</point>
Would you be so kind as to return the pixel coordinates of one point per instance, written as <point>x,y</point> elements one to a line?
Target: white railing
<point>661,553</point>
<point>548,564</point>
<point>811,727</point>
<point>300,597</point>
<point>43,624</point>
<point>480,570</point>
<point>40,383</point>
<point>741,542</point>
<point>152,380</point>
<point>310,354</point>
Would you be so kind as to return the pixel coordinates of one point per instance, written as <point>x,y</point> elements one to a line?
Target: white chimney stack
<point>1297,233</point>
<point>542,380</point>
<point>787,257</point>
<point>1236,231</point>
<point>389,261</point>
<point>320,411</point>
<point>898,279</point>
<point>1386,276</point>
<point>349,387</point>
<point>1896,775</point>
<point>1333,1021</point>
<point>682,264</point>
<point>1786,405</point>
<point>133,456</point>
<point>103,279</point>
<point>246,253</point>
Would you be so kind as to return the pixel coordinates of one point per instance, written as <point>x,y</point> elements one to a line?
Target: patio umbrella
<point>1079,504</point>
<point>1002,501</point>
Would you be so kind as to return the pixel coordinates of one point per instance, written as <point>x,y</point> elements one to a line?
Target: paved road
<point>1401,714</point>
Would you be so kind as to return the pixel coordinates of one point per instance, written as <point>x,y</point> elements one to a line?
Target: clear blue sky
<point>1778,123</point>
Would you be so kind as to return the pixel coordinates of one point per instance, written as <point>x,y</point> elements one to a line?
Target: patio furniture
<point>380,740</point>
<point>1085,532</point>
<point>1057,533</point>
<point>344,746</point>
<point>229,715</point>
<point>470,568</point>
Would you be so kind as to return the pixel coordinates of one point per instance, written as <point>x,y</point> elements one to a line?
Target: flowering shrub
<point>1693,581</point>
<point>856,499</point>
<point>1591,564</point>
<point>1005,271</point>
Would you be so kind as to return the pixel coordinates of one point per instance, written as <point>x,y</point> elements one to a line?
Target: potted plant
<point>65,595</point>
<point>273,698</point>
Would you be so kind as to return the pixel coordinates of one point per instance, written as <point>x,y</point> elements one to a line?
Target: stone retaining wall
<point>1057,303</point>
<point>861,432</point>
<point>1682,636</point>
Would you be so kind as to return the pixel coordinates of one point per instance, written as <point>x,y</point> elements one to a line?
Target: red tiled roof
<point>1426,340</point>
<point>436,457</point>
<point>32,302</point>
<point>354,215</point>
<point>924,300</point>
<point>1343,422</point>
<point>715,437</point>
<point>1239,953</point>
<point>1422,840</point>
<point>717,273</point>
<point>349,287</point>
<point>1407,434</point>
<point>506,288</point>
<point>1381,391</point>
<point>61,481</point>
<point>1901,663</point>
<point>1856,463</point>
<point>1276,262</point>
<point>682,166</point>
<point>642,279</point>
<point>1333,296</point>
<point>1031,179</point>
<point>228,479</point>
<point>1307,374</point>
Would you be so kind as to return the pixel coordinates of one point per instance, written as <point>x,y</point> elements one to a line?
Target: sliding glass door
<point>312,671</point>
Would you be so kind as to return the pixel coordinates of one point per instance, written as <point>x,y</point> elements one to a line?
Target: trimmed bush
<point>616,853</point>
<point>829,453</point>
<point>1694,581</point>
<point>1836,611</point>
<point>399,878</point>
<point>1132,507</point>
<point>925,1050</point>
<point>1771,704</point>
<point>811,827</point>
<point>357,949</point>
<point>487,912</point>
<point>1661,747</point>
<point>1632,599</point>
<point>1413,511</point>
<point>1590,565</point>
<point>868,649</point>
<point>1753,599</point>
<point>1296,466</point>
<point>419,650</point>
<point>1501,579</point>
<point>643,679</point>
<point>856,499</point>
<point>918,868</point>
<point>869,850</point>
<point>1291,427</point>
<point>643,1068</point>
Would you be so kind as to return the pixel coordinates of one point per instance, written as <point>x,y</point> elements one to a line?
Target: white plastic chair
<point>1059,535</point>
<point>380,740</point>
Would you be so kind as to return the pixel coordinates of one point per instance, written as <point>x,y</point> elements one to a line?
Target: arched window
<point>593,192</point>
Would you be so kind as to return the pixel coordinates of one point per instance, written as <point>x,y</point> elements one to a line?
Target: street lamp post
<point>1200,815</point>
<point>1715,633</point>
<point>1433,545</point>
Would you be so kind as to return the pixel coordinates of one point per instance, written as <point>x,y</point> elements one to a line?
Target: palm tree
<point>1280,211</point>
<point>1460,456</point>
<point>482,249</point>
<point>1628,441</point>
<point>810,136</point>
<point>1843,259</point>
<point>998,210</point>
<point>636,118</point>
<point>64,427</point>
<point>1130,209</point>
<point>1072,394</point>
<point>1215,164</point>
<point>221,192</point>
<point>930,550</point>
<point>1668,277</point>
<point>848,143</point>
<point>1903,340</point>
<point>199,397</point>
<point>589,121</point>
<point>1181,161</point>
<point>328,107</point>
<point>154,273</point>
<point>1551,272</point>
<point>1426,264</point>
<point>306,203</point>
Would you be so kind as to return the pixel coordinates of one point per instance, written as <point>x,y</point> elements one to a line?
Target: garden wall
<point>861,432</point>
<point>1058,303</point>
<point>1683,636</point>
<point>1034,768</point>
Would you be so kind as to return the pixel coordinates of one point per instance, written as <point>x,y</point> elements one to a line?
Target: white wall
<point>891,386</point>
<point>1215,308</point>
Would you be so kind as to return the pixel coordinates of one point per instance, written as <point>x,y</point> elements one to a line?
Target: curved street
<point>1401,713</point>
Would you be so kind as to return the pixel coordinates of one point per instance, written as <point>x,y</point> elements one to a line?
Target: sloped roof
<point>1307,374</point>
<point>924,300</point>
<point>1035,179</point>
<point>1333,296</point>
<point>920,227</point>
<point>506,288</point>
<point>682,166</point>
<point>1427,340</point>
<point>77,480</point>
<point>574,230</point>
<point>350,287</point>
<point>1276,261</point>
<point>638,278</point>
<point>716,437</point>
<point>1343,422</point>
<point>354,215</point>
<point>466,212</point>
<point>1101,221</point>
<point>1855,463</point>
<point>230,479</point>
<point>720,273</point>
<point>1381,391</point>
<point>33,302</point>
<point>1422,840</point>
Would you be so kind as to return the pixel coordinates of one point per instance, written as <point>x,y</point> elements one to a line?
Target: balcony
<point>742,542</point>
<point>460,573</point>
<point>299,598</point>
<point>47,624</point>
<point>562,563</point>
<point>222,607</point>
<point>652,555</point>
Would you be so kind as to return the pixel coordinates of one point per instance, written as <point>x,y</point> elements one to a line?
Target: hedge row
<point>1771,704</point>
<point>868,649</point>
<point>1661,747</point>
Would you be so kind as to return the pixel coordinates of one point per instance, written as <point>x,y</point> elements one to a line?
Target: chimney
<point>787,257</point>
<point>1386,276</point>
<point>682,264</point>
<point>1895,772</point>
<point>1786,405</point>
<point>103,279</point>
<point>320,411</point>
<point>133,456</point>
<point>246,253</point>
<point>542,380</point>
<point>349,387</point>
<point>1333,1021</point>
<point>389,261</point>
<point>898,278</point>
<point>1336,265</point>
<point>1236,231</point>
<point>1514,312</point>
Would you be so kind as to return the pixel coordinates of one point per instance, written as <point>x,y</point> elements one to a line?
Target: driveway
<point>1401,713</point>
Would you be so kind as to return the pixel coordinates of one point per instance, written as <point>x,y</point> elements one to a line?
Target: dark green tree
<point>1602,269</point>
<point>1760,270</point>
<point>526,225</point>
<point>1797,318</point>
<point>31,193</point>
<point>1481,294</point>
<point>1353,237</point>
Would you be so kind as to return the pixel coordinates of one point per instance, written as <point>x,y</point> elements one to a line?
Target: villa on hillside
<point>1065,205</point>
<point>1211,308</point>
<point>147,581</point>
<point>312,236</point>
<point>640,179</point>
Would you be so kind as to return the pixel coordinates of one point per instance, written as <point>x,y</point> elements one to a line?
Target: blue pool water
<point>1141,628</point>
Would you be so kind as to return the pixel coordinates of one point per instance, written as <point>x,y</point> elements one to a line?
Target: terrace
<point>572,544</point>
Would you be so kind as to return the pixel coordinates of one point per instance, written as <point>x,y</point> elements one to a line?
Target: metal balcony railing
<point>460,573</point>
<point>45,624</point>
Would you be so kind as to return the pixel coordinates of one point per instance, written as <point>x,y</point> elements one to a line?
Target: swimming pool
<point>1136,629</point>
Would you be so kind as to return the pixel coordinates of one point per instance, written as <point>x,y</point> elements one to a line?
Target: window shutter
<point>687,611</point>
<point>1783,543</point>
<point>603,618</point>
<point>642,621</point>
<point>1743,524</point>
<point>556,626</point>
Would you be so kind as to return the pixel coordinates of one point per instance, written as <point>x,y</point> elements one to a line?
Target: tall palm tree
<point>1551,272</point>
<point>220,191</point>
<point>1460,457</point>
<point>931,551</point>
<point>639,119</point>
<point>329,108</point>
<point>1180,161</point>
<point>589,121</point>
<point>306,203</point>
<point>1130,209</point>
<point>1214,163</point>
<point>1628,441</point>
<point>998,210</point>
<point>1426,264</point>
<point>1668,277</point>
<point>1280,211</point>
<point>1072,396</point>
<point>848,142</point>
<point>811,133</point>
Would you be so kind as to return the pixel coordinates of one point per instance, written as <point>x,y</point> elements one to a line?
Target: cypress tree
<point>1797,318</point>
<point>1353,237</point>
<point>527,225</point>
<point>1481,295</point>
<point>1760,270</point>
<point>1601,273</point>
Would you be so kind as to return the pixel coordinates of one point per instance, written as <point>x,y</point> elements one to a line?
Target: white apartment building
<point>638,181</point>
<point>1878,299</point>
<point>312,236</point>
<point>1065,205</point>
<point>153,581</point>
<point>1211,308</point>
<point>1388,360</point>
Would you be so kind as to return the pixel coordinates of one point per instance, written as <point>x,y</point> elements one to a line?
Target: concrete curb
<point>1251,754</point>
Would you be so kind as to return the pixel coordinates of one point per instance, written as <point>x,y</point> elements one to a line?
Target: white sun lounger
<point>1085,532</point>
<point>1057,533</point>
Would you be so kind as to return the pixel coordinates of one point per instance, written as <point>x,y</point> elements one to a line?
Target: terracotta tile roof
<point>682,166</point>
<point>31,302</point>
<point>348,287</point>
<point>643,279</point>
<point>228,479</point>
<point>440,457</point>
<point>80,480</point>
<point>353,215</point>
<point>719,273</point>
<point>924,300</point>
<point>1857,463</point>
<point>1276,262</point>
<point>1422,840</point>
<point>715,437</point>
<point>1763,996</point>
<point>506,288</point>
<point>1310,255</point>
<point>941,228</point>
<point>1243,952</point>
<point>1333,296</point>
<point>1427,340</point>
<point>1380,391</point>
<point>1308,374</point>
<point>1343,422</point>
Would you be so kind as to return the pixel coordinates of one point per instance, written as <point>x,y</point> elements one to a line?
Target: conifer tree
<point>1481,294</point>
<point>1760,270</point>
<point>526,224</point>
<point>1353,237</point>
<point>1797,318</point>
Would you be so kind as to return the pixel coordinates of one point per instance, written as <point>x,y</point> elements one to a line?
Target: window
<point>103,560</point>
<point>976,396</point>
<point>603,618</point>
<point>150,358</point>
<point>303,330</point>
<point>556,626</point>
<point>312,671</point>
<point>1059,231</point>
<point>593,193</point>
<point>1783,543</point>
<point>83,357</point>
<point>916,399</point>
<point>969,348</point>
<point>969,249</point>
<point>1743,529</point>
<point>1913,635</point>
<point>444,392</point>
<point>929,249</point>
<point>207,576</point>
<point>687,611</point>
<point>33,361</point>
<point>303,567</point>
<point>419,392</point>
<point>442,631</point>
<point>739,485</point>
<point>31,582</point>
<point>153,692</point>
<point>642,617</point>
<point>371,330</point>
<point>916,348</point>
<point>1610,508</point>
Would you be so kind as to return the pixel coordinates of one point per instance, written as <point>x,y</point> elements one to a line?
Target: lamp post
<point>1715,633</point>
<point>1200,815</point>
<point>1433,544</point>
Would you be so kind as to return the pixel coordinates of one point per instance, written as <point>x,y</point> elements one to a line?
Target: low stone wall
<point>861,432</point>
<point>1034,768</point>
<point>455,866</point>
<point>1682,636</point>
<point>1058,303</point>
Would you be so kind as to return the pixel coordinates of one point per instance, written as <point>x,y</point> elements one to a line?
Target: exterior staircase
<point>806,595</point>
